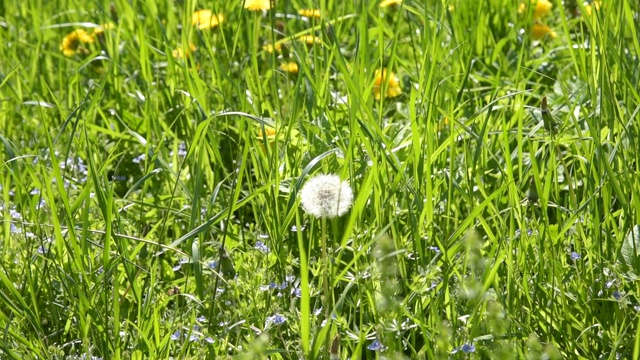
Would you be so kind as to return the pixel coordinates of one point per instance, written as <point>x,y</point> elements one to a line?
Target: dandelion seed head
<point>326,196</point>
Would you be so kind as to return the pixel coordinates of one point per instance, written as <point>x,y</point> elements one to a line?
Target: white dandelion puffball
<point>325,196</point>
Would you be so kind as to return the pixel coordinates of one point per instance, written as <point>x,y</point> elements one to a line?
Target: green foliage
<point>150,178</point>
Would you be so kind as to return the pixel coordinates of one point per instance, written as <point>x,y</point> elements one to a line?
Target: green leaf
<point>630,252</point>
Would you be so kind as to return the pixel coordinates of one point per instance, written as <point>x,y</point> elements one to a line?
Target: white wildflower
<point>325,196</point>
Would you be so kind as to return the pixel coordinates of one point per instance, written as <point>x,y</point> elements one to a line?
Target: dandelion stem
<point>325,265</point>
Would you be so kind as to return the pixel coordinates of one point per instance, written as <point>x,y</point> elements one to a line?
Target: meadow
<point>322,179</point>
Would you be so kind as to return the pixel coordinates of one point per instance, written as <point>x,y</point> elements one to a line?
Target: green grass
<point>472,224</point>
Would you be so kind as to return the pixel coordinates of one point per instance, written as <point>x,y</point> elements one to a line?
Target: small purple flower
<point>575,256</point>
<point>376,346</point>
<point>176,335</point>
<point>35,191</point>
<point>209,340</point>
<point>14,229</point>
<point>193,338</point>
<point>201,319</point>
<point>40,204</point>
<point>296,292</point>
<point>182,150</point>
<point>262,247</point>
<point>466,348</point>
<point>276,319</point>
<point>617,295</point>
<point>434,249</point>
<point>177,267</point>
<point>140,158</point>
<point>213,265</point>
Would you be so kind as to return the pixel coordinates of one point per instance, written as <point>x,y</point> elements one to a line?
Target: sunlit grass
<point>152,165</point>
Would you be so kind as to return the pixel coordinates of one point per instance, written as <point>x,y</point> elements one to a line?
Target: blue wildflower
<point>140,158</point>
<point>617,295</point>
<point>376,346</point>
<point>296,292</point>
<point>276,319</point>
<point>466,348</point>
<point>193,338</point>
<point>176,335</point>
<point>209,340</point>
<point>14,229</point>
<point>201,319</point>
<point>575,256</point>
<point>434,249</point>
<point>262,247</point>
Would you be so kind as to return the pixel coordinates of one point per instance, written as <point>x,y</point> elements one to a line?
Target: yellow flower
<point>386,3</point>
<point>270,48</point>
<point>257,5</point>
<point>268,131</point>
<point>392,84</point>
<point>205,19</point>
<point>290,67</point>
<point>539,31</point>
<point>595,5</point>
<point>310,13</point>
<point>542,8</point>
<point>179,53</point>
<point>99,31</point>
<point>310,39</point>
<point>72,43</point>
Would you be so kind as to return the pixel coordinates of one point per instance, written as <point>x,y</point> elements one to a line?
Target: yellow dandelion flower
<point>539,31</point>
<point>392,84</point>
<point>270,48</point>
<point>542,8</point>
<point>268,131</point>
<point>310,39</point>
<point>290,67</point>
<point>589,8</point>
<point>72,42</point>
<point>99,31</point>
<point>180,53</point>
<point>257,5</point>
<point>205,19</point>
<point>310,13</point>
<point>387,3</point>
